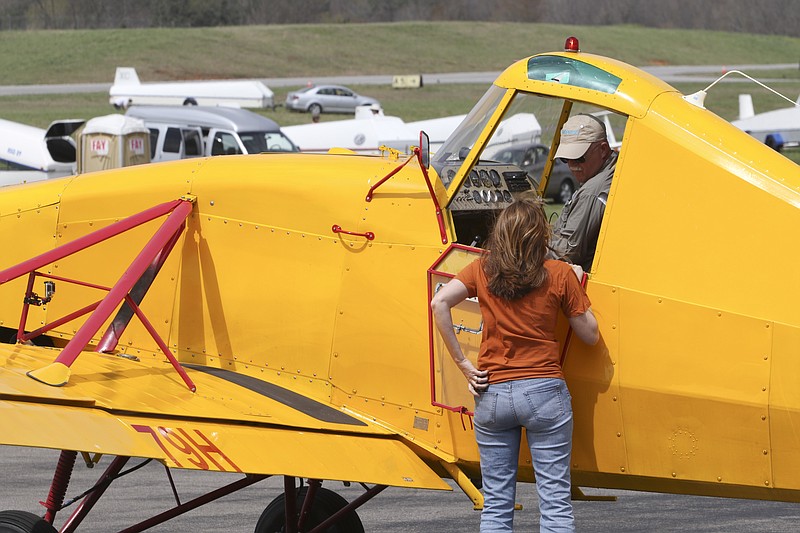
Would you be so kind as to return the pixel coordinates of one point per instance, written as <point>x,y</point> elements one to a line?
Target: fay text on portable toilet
<point>113,141</point>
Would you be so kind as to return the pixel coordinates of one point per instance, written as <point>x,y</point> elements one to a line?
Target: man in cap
<point>584,148</point>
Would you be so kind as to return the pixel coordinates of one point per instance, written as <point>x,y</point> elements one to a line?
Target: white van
<point>179,132</point>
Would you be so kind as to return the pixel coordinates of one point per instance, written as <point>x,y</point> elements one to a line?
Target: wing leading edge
<point>234,423</point>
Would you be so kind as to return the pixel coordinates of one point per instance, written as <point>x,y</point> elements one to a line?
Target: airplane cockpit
<point>479,171</point>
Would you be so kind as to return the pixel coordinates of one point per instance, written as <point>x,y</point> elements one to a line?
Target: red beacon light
<point>572,45</point>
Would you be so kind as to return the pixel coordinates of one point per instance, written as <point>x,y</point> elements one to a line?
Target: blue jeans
<point>543,407</point>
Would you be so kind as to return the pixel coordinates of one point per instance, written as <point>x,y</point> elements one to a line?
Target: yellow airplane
<point>268,315</point>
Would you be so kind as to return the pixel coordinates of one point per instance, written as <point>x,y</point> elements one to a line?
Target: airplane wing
<point>234,422</point>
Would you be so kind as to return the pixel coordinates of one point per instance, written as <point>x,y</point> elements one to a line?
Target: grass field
<point>84,56</point>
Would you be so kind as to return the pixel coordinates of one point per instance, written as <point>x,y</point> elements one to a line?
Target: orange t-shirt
<point>518,340</point>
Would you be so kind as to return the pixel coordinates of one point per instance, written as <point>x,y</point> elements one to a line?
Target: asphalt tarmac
<point>26,475</point>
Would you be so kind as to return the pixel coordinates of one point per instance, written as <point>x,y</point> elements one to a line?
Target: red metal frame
<point>388,176</point>
<point>433,272</point>
<point>249,479</point>
<point>308,502</point>
<point>439,215</point>
<point>64,470</point>
<point>111,337</point>
<point>87,240</point>
<point>58,488</point>
<point>67,463</point>
<point>92,498</point>
<point>352,506</point>
<point>153,254</point>
<point>290,504</point>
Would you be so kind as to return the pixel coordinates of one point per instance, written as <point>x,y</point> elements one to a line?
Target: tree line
<point>780,17</point>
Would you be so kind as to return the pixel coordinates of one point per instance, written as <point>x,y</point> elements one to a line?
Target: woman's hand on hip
<point>477,380</point>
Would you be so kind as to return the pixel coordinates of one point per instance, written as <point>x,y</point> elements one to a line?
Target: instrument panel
<point>490,186</point>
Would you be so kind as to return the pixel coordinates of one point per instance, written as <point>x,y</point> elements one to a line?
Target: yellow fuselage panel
<point>696,303</point>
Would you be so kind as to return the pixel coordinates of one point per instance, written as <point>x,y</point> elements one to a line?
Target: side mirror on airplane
<point>424,153</point>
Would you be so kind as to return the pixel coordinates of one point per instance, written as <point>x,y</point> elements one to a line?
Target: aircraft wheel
<point>566,191</point>
<point>23,522</point>
<point>315,109</point>
<point>326,504</point>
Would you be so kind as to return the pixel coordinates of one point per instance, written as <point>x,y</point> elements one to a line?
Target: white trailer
<point>128,90</point>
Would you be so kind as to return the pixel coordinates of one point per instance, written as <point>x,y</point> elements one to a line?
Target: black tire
<point>23,522</point>
<point>315,109</point>
<point>565,191</point>
<point>190,101</point>
<point>326,504</point>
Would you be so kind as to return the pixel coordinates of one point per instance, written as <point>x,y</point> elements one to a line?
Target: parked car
<point>179,132</point>
<point>326,99</point>
<point>531,159</point>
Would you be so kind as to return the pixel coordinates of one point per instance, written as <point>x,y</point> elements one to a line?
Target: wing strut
<point>152,255</point>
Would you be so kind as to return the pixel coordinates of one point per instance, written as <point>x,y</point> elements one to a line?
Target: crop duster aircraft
<point>268,315</point>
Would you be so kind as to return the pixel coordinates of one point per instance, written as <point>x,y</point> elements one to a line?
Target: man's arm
<point>575,236</point>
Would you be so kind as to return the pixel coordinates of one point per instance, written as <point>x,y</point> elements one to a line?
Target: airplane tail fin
<point>126,76</point>
<point>612,138</point>
<point>746,106</point>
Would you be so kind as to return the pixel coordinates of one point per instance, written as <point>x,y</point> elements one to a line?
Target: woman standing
<point>519,381</point>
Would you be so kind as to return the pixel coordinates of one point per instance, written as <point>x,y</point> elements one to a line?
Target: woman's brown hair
<point>517,246</point>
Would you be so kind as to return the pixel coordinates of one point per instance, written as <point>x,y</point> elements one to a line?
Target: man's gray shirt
<point>577,228</point>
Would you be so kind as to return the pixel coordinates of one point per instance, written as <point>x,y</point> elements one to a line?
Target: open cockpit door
<point>448,387</point>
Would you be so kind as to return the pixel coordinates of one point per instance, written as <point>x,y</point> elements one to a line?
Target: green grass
<point>79,56</point>
<point>86,56</point>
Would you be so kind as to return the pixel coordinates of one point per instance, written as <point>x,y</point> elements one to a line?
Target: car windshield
<point>256,142</point>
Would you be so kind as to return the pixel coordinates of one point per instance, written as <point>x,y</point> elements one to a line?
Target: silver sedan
<point>326,99</point>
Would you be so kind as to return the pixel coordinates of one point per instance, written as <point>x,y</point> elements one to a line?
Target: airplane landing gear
<point>312,506</point>
<point>24,522</point>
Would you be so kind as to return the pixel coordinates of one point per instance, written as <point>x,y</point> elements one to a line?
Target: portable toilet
<point>113,141</point>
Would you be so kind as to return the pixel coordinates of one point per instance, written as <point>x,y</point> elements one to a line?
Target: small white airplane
<point>779,128</point>
<point>365,133</point>
<point>128,90</point>
<point>371,129</point>
<point>31,154</point>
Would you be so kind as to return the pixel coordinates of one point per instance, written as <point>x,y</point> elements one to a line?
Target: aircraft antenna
<point>699,97</point>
